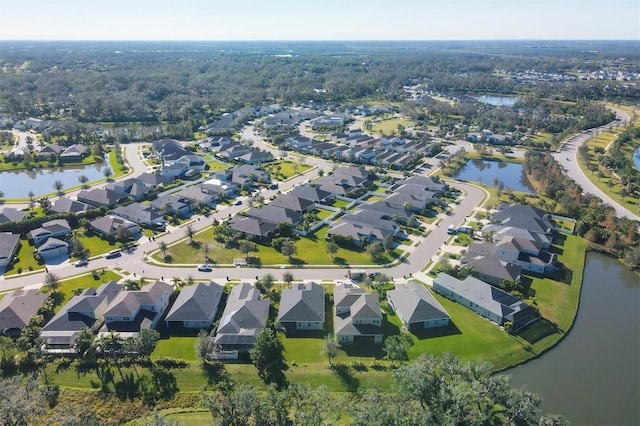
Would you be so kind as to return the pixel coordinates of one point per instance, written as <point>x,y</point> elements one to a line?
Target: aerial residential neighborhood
<point>332,241</point>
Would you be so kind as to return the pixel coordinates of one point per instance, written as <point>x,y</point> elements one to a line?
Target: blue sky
<point>318,20</point>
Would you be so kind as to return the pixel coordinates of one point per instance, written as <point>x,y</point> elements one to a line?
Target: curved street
<point>567,156</point>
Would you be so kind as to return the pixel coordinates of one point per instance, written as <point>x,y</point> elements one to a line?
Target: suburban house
<point>312,193</point>
<point>83,311</point>
<point>525,217</point>
<point>249,226</point>
<point>101,197</point>
<point>491,269</point>
<point>9,246</point>
<point>17,308</point>
<point>398,213</point>
<point>134,310</point>
<point>486,300</point>
<point>7,214</point>
<point>49,151</point>
<point>244,317</point>
<point>169,149</point>
<point>52,229</point>
<point>276,215</point>
<point>73,153</point>
<point>357,232</point>
<point>53,248</point>
<point>195,194</point>
<point>220,188</point>
<point>255,157</point>
<point>110,225</point>
<point>413,197</point>
<point>498,232</point>
<point>428,183</point>
<point>130,187</point>
<point>358,315</point>
<point>172,204</point>
<point>245,174</point>
<point>292,202</point>
<point>67,205</point>
<point>302,307</point>
<point>525,253</point>
<point>153,180</point>
<point>142,214</point>
<point>174,169</point>
<point>195,306</point>
<point>416,307</point>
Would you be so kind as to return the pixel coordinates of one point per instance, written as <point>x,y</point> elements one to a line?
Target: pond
<point>498,100</point>
<point>636,158</point>
<point>593,375</point>
<point>489,172</point>
<point>18,183</point>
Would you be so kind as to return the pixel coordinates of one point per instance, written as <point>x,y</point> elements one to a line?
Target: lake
<point>487,171</point>
<point>636,158</point>
<point>18,183</point>
<point>593,376</point>
<point>498,100</point>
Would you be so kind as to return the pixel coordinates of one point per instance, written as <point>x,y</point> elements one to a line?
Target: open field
<point>311,250</point>
<point>390,126</point>
<point>285,169</point>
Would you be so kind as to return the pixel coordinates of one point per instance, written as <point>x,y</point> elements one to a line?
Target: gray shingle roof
<point>17,307</point>
<point>302,302</point>
<point>415,304</point>
<point>8,214</point>
<point>8,243</point>
<point>196,303</point>
<point>243,318</point>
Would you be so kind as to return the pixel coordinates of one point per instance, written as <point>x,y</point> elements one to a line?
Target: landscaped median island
<point>311,251</point>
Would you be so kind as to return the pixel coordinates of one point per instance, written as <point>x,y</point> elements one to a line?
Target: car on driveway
<point>205,268</point>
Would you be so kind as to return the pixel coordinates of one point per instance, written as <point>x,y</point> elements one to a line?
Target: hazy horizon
<point>332,20</point>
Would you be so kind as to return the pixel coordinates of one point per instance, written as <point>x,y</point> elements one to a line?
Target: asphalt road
<point>567,156</point>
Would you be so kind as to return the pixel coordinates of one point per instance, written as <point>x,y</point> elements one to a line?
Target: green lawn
<point>340,204</point>
<point>285,169</point>
<point>311,250</point>
<point>373,198</point>
<point>323,213</point>
<point>81,282</point>
<point>97,245</point>
<point>390,126</point>
<point>25,259</point>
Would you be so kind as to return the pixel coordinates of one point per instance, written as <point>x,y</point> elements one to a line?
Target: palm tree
<point>177,282</point>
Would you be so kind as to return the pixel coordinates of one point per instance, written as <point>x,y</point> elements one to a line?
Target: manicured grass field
<point>311,250</point>
<point>285,169</point>
<point>390,126</point>
<point>97,245</point>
